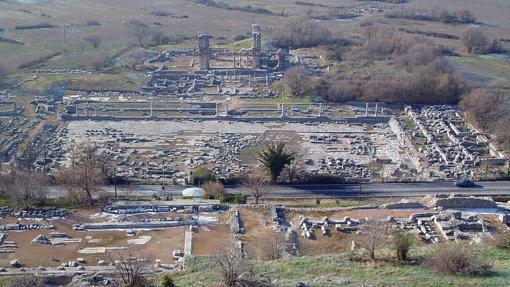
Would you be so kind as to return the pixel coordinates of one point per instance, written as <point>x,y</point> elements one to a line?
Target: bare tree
<point>258,184</point>
<point>158,37</point>
<point>31,153</point>
<point>26,186</point>
<point>94,40</point>
<point>129,267</point>
<point>231,263</point>
<point>370,30</point>
<point>274,247</point>
<point>475,41</point>
<point>373,234</point>
<point>297,80</point>
<point>296,168</point>
<point>301,32</point>
<point>139,30</point>
<point>483,108</point>
<point>83,177</point>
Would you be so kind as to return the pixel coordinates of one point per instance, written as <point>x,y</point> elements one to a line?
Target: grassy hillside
<point>336,270</point>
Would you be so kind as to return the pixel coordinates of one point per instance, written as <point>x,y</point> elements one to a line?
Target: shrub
<point>27,281</point>
<point>236,198</point>
<point>457,259</point>
<point>34,26</point>
<point>161,13</point>
<point>301,33</point>
<point>403,242</point>
<point>200,175</point>
<point>502,240</point>
<point>213,189</point>
<point>167,281</point>
<point>93,23</point>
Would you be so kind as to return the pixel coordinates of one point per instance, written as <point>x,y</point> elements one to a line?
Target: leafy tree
<point>167,281</point>
<point>201,175</point>
<point>403,242</point>
<point>274,158</point>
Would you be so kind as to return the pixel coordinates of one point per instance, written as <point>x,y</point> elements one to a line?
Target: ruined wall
<point>406,143</point>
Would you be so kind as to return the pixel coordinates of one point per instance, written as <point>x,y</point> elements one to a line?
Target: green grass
<point>5,201</point>
<point>243,44</point>
<point>486,65</point>
<point>337,270</point>
<point>129,81</point>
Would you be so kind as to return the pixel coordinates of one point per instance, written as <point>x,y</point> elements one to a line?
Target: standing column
<point>235,64</point>
<point>376,107</point>
<point>204,53</point>
<point>366,109</point>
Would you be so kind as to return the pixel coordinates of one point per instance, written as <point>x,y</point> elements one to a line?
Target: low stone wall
<point>453,202</point>
<point>349,120</point>
<point>404,204</point>
<point>131,225</point>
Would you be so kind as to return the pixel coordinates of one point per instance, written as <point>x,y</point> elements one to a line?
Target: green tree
<point>201,175</point>
<point>403,242</point>
<point>167,281</point>
<point>275,158</point>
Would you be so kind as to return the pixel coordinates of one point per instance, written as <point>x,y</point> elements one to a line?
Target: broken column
<point>281,60</point>
<point>204,52</point>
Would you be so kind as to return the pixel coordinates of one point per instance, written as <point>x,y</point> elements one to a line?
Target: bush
<point>213,189</point>
<point>456,259</point>
<point>403,242</point>
<point>161,13</point>
<point>167,281</point>
<point>301,33</point>
<point>235,198</point>
<point>27,281</point>
<point>502,240</point>
<point>34,26</point>
<point>200,175</point>
<point>93,23</point>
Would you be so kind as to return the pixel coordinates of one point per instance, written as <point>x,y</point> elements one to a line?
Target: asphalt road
<point>342,190</point>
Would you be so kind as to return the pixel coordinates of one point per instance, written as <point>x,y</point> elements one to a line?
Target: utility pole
<point>65,38</point>
<point>115,180</point>
<point>164,177</point>
<point>359,198</point>
<point>487,162</point>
